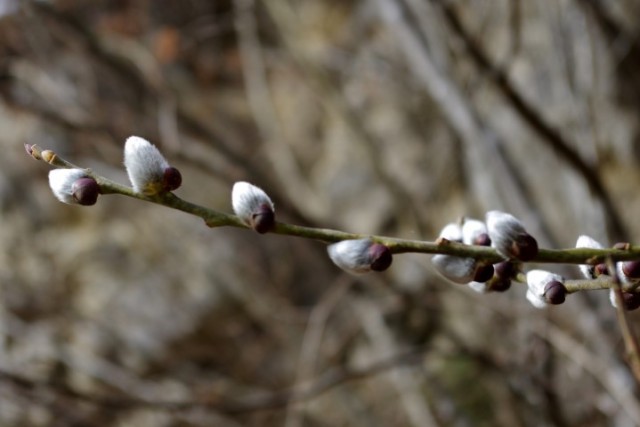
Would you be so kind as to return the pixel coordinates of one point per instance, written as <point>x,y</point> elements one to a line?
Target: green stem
<point>602,282</point>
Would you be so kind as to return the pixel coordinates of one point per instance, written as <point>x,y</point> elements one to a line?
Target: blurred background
<point>389,117</point>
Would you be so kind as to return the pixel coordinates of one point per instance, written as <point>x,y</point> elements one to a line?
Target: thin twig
<point>548,134</point>
<point>311,342</point>
<point>597,367</point>
<point>330,379</point>
<point>405,379</point>
<point>629,337</point>
<point>482,146</point>
<point>602,370</point>
<point>333,100</point>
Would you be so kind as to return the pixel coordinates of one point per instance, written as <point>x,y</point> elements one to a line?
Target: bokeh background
<point>388,117</point>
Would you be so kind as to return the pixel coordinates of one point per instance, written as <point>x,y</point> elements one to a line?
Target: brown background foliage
<point>389,117</point>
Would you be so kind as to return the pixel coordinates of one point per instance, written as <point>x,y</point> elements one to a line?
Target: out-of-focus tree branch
<point>533,117</point>
<point>259,401</point>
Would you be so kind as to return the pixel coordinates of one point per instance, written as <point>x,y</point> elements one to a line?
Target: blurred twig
<point>406,381</point>
<point>548,134</point>
<point>502,183</point>
<point>263,110</point>
<point>331,378</point>
<point>628,335</point>
<point>611,379</point>
<point>333,100</point>
<point>310,345</point>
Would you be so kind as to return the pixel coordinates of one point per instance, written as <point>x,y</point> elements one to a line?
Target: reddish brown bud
<point>503,273</point>
<point>263,219</point>
<point>85,191</point>
<point>600,269</point>
<point>630,300</point>
<point>482,240</point>
<point>484,273</point>
<point>525,248</point>
<point>171,179</point>
<point>555,292</point>
<point>505,270</point>
<point>631,269</point>
<point>33,150</point>
<point>381,257</point>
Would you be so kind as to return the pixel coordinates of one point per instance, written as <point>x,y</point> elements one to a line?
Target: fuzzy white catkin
<point>457,269</point>
<point>145,165</point>
<point>612,298</point>
<point>247,199</point>
<point>537,280</point>
<point>451,232</point>
<point>587,242</point>
<point>61,183</point>
<point>351,255</point>
<point>535,300</point>
<point>471,229</point>
<point>503,229</point>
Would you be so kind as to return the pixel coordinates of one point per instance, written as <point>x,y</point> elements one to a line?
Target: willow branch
<point>214,218</point>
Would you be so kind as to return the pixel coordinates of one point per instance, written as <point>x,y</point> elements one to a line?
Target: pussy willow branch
<point>485,254</point>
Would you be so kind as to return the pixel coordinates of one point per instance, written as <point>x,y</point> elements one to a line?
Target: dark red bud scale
<point>482,239</point>
<point>555,292</point>
<point>484,273</point>
<point>525,248</point>
<point>505,270</point>
<point>85,191</point>
<point>171,179</point>
<point>381,256</point>
<point>630,300</point>
<point>263,219</point>
<point>631,269</point>
<point>503,273</point>
<point>600,269</point>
